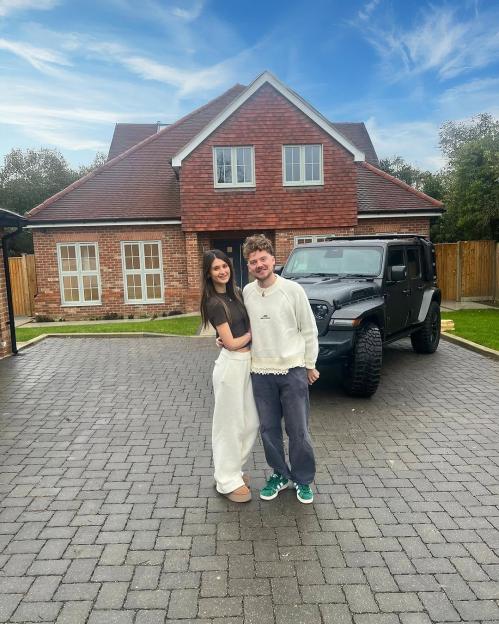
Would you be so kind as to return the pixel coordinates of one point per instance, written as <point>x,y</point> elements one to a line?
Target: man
<point>283,351</point>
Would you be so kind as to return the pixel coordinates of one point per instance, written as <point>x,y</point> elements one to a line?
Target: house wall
<point>268,121</point>
<point>48,299</point>
<point>284,239</point>
<point>5,344</point>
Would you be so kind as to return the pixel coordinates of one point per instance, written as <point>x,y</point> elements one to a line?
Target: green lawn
<point>185,326</point>
<point>480,326</point>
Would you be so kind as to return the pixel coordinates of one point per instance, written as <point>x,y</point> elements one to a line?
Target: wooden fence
<point>468,270</point>
<point>23,281</point>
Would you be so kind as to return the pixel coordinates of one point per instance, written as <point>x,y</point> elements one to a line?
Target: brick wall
<point>5,345</point>
<point>267,121</point>
<point>284,239</point>
<point>48,299</point>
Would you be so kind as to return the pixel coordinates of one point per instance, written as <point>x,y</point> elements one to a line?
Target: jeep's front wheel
<point>363,369</point>
<point>426,339</point>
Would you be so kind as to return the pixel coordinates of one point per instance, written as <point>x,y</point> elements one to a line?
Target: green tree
<point>29,177</point>
<point>430,183</point>
<point>472,173</point>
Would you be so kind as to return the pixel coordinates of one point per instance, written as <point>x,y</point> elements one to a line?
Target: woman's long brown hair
<point>208,289</point>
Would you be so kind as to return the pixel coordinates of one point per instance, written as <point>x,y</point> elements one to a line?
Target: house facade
<point>128,238</point>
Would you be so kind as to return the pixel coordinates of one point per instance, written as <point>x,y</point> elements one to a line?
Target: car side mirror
<point>278,269</point>
<point>398,273</point>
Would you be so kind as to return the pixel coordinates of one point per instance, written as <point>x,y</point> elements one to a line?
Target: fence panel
<point>477,272</point>
<point>23,281</point>
<point>446,257</point>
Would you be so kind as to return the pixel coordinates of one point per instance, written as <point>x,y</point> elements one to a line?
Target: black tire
<point>426,339</point>
<point>363,370</point>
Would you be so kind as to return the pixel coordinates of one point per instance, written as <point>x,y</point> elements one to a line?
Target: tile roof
<point>139,183</point>
<point>126,135</point>
<point>356,133</point>
<point>378,191</point>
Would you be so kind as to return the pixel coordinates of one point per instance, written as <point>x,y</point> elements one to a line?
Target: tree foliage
<point>29,177</point>
<point>469,183</point>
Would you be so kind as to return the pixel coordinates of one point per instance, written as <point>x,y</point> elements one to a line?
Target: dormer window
<point>302,165</point>
<point>234,166</point>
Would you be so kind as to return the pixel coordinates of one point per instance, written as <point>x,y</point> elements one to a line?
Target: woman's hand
<point>219,342</point>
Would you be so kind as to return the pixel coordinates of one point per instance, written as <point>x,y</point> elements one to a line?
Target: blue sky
<point>71,69</point>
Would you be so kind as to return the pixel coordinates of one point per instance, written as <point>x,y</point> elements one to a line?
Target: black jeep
<point>367,291</point>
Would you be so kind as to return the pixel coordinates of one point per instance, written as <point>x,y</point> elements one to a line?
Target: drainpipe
<point>10,306</point>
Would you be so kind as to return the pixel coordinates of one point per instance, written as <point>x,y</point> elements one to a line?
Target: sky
<point>71,69</point>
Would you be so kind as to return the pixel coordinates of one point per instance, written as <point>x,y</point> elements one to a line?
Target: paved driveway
<point>108,513</point>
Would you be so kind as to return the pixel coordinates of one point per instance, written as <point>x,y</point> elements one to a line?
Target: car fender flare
<point>428,297</point>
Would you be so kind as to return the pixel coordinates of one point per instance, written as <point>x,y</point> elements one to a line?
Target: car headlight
<point>320,311</point>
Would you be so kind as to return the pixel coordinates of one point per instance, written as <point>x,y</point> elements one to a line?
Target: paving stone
<point>360,599</point>
<point>335,614</point>
<point>183,603</point>
<point>111,595</point>
<point>220,607</point>
<point>297,614</point>
<point>258,610</point>
<point>438,606</point>
<point>111,617</point>
<point>399,601</point>
<point>74,612</point>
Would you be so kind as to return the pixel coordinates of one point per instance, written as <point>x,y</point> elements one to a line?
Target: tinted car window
<point>395,257</point>
<point>413,263</point>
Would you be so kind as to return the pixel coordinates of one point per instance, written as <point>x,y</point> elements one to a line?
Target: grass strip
<point>184,326</point>
<point>480,326</point>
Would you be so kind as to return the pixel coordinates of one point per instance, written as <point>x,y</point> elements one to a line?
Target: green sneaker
<point>274,485</point>
<point>304,493</point>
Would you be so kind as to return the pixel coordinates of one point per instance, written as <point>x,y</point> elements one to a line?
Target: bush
<point>112,316</point>
<point>43,318</point>
<point>175,313</point>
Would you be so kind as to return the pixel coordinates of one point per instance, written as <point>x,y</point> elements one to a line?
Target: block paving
<point>108,514</point>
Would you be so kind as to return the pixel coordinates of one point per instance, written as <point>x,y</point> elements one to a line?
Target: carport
<point>8,220</point>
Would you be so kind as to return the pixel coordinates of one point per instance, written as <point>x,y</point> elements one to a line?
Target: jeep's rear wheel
<point>426,339</point>
<point>363,369</point>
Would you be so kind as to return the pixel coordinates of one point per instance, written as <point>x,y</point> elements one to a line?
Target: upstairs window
<point>79,274</point>
<point>233,166</point>
<point>143,271</point>
<point>302,165</point>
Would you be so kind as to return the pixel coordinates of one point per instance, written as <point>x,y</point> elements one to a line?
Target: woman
<point>235,419</point>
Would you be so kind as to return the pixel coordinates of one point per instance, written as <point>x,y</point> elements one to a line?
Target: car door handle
<point>407,291</point>
<point>419,287</point>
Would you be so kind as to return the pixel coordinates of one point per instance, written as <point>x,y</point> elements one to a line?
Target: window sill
<point>84,304</point>
<point>237,189</point>
<point>148,302</point>
<point>307,187</point>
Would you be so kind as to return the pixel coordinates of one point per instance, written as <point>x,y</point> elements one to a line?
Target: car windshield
<point>341,260</point>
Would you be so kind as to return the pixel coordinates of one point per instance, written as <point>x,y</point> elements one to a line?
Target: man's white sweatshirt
<point>283,328</point>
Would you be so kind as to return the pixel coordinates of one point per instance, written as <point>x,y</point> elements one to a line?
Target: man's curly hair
<point>257,242</point>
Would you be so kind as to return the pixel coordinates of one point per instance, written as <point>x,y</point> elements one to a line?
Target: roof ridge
<point>110,163</point>
<point>401,183</point>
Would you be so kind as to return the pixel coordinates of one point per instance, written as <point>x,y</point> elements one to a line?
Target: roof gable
<point>294,98</point>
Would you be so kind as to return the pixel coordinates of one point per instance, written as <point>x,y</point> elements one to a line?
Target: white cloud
<point>9,6</point>
<point>368,8</point>
<point>416,142</point>
<point>40,58</point>
<point>189,14</point>
<point>440,41</point>
<point>470,98</point>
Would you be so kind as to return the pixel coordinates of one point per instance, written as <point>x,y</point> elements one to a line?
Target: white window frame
<point>302,181</point>
<point>79,273</point>
<point>233,165</point>
<point>312,238</point>
<point>142,272</point>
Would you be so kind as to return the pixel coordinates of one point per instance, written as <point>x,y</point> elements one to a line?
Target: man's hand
<point>313,375</point>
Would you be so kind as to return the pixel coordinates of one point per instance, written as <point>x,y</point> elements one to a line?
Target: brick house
<point>128,237</point>
<point>9,220</point>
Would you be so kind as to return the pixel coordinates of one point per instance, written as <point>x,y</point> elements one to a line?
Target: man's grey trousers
<point>285,397</point>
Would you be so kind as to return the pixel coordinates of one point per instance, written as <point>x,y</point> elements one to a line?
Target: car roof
<point>366,241</point>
